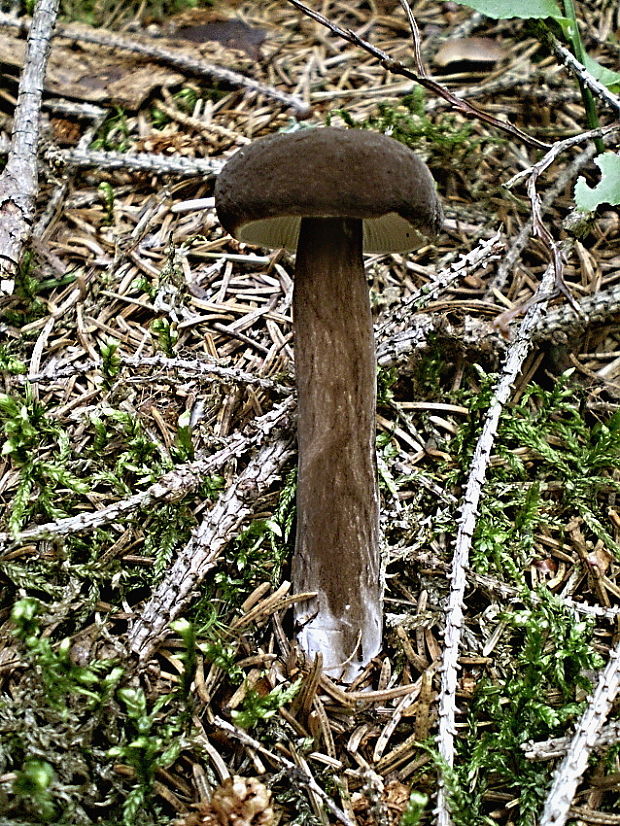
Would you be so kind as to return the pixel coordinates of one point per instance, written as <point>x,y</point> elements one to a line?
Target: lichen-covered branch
<point>609,735</point>
<point>579,70</point>
<point>174,485</point>
<point>19,180</point>
<point>175,367</point>
<point>139,162</point>
<point>561,324</point>
<point>515,358</point>
<point>480,256</point>
<point>586,735</point>
<point>200,555</point>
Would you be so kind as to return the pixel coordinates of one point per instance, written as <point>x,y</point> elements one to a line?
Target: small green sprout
<point>108,197</point>
<point>33,784</point>
<point>167,335</point>
<point>415,809</point>
<point>111,362</point>
<point>257,707</point>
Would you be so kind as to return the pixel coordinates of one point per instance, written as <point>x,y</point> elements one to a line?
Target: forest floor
<point>147,476</point>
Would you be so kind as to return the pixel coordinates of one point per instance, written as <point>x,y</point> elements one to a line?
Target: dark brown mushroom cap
<point>265,189</point>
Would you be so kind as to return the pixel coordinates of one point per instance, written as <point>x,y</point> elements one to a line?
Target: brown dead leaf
<point>204,26</point>
<point>469,50</point>
<point>94,73</point>
<point>234,34</point>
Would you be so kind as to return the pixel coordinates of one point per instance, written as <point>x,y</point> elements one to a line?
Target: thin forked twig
<point>539,230</point>
<point>558,148</point>
<point>468,110</point>
<point>518,244</point>
<point>415,40</point>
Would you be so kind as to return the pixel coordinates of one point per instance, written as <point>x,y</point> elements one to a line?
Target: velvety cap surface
<point>265,189</point>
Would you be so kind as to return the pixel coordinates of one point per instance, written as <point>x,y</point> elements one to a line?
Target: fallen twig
<point>201,553</point>
<point>587,732</point>
<point>539,230</point>
<point>557,149</point>
<point>20,179</point>
<point>561,324</point>
<point>176,366</point>
<point>515,357</point>
<point>485,252</point>
<point>466,109</point>
<point>495,586</point>
<point>609,735</point>
<point>139,162</point>
<point>416,41</point>
<point>174,485</point>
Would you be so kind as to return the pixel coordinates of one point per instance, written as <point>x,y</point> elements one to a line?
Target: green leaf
<point>503,9</point>
<point>606,76</point>
<point>607,191</point>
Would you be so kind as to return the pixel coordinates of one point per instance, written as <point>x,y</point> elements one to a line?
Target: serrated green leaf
<point>503,9</point>
<point>607,191</point>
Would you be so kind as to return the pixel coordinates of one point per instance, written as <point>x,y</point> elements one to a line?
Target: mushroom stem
<point>337,541</point>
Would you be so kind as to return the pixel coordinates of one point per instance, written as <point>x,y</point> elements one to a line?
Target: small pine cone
<point>242,801</point>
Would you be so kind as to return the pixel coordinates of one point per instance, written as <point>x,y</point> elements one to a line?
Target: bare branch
<point>174,485</point>
<point>201,553</point>
<point>515,357</point>
<point>557,149</point>
<point>517,246</point>
<point>468,110</point>
<point>19,180</point>
<point>588,730</point>
<point>539,230</point>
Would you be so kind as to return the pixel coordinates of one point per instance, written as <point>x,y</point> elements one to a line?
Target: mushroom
<point>332,194</point>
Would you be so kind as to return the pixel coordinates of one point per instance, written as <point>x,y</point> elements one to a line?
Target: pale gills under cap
<point>267,187</point>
